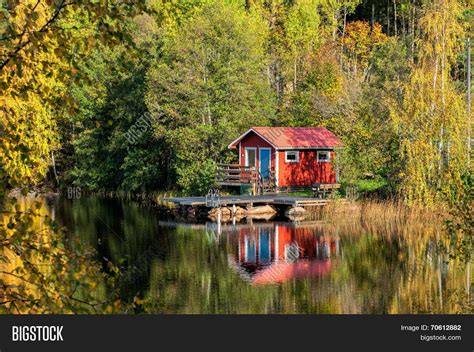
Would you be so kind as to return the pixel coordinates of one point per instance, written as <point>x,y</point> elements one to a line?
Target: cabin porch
<point>237,175</point>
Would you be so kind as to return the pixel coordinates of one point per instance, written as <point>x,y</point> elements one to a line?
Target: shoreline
<point>364,208</point>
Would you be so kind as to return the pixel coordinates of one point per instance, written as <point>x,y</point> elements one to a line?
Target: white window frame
<point>297,159</point>
<point>246,149</point>
<point>329,156</point>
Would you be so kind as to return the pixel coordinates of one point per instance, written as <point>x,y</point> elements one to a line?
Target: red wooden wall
<point>306,171</point>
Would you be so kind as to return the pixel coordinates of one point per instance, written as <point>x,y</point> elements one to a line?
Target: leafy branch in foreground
<point>42,273</point>
<point>41,43</point>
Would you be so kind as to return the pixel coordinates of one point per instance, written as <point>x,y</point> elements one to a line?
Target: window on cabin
<point>250,157</point>
<point>292,156</point>
<point>323,157</point>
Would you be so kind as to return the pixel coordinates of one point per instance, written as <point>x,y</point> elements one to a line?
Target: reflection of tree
<point>123,233</point>
<point>375,268</point>
<point>198,279</point>
<point>433,283</point>
<point>39,273</point>
<point>391,265</point>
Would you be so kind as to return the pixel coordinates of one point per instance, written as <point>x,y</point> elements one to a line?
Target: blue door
<point>250,249</point>
<point>264,246</point>
<point>265,162</point>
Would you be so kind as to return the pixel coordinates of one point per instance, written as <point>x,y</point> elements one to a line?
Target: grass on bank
<point>377,185</point>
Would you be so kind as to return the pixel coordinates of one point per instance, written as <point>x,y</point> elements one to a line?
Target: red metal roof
<point>294,137</point>
<point>282,271</point>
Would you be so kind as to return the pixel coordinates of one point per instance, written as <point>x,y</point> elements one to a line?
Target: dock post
<point>219,217</point>
<point>234,209</point>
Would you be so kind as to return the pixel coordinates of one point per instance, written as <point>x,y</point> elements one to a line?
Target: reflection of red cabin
<point>270,254</point>
<point>298,156</point>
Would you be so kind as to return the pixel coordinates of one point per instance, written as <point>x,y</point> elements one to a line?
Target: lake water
<point>345,263</point>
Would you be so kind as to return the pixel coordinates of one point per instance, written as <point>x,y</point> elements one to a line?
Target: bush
<point>197,178</point>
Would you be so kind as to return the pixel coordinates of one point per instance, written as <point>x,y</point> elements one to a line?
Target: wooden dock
<point>248,200</point>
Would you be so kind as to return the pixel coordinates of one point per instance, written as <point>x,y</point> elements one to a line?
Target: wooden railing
<point>241,175</point>
<point>237,175</point>
<point>267,184</point>
<point>320,190</point>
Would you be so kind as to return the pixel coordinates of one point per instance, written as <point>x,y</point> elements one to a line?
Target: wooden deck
<point>249,200</point>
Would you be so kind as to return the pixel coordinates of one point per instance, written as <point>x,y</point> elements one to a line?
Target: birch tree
<point>431,121</point>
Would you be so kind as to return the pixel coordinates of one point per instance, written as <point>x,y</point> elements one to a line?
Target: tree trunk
<point>372,20</point>
<point>54,168</point>
<point>334,31</point>
<point>413,34</point>
<point>295,73</point>
<point>395,17</point>
<point>468,99</point>
<point>388,17</point>
<point>343,35</point>
<point>404,27</point>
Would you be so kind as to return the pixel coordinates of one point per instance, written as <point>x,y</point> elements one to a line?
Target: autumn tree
<point>40,43</point>
<point>431,120</point>
<point>359,45</point>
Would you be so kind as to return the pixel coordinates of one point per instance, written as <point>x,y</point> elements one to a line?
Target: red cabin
<point>294,156</point>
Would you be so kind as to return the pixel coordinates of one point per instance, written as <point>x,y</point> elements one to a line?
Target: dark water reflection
<point>338,266</point>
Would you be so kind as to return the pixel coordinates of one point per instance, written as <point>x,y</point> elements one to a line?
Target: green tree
<point>208,86</point>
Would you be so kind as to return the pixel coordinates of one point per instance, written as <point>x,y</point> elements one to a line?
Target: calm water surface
<point>345,264</point>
